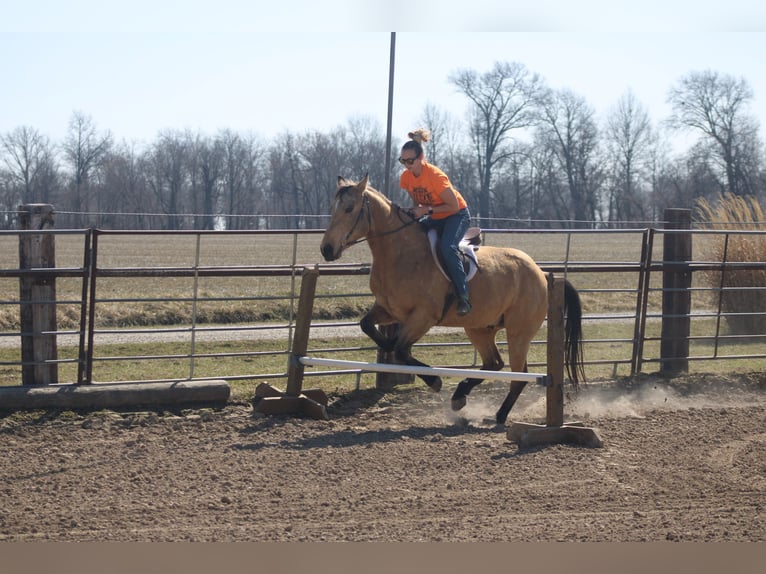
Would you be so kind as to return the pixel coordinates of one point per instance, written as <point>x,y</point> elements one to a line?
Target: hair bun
<point>420,135</point>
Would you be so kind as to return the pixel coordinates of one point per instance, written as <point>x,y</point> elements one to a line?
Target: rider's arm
<point>450,204</point>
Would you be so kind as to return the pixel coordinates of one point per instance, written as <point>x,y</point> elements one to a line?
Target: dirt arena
<point>683,460</point>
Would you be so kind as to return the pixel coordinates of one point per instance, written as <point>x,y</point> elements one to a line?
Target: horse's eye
<point>349,209</point>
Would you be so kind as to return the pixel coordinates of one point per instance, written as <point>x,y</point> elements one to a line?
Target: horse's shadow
<point>350,438</point>
<point>351,406</point>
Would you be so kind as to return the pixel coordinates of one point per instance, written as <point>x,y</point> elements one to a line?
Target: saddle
<point>467,246</point>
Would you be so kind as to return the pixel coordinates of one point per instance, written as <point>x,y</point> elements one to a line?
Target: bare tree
<point>716,105</point>
<point>207,180</point>
<point>568,127</point>
<point>245,179</point>
<point>167,171</point>
<point>515,189</point>
<point>84,149</point>
<point>682,181</point>
<point>503,100</point>
<point>8,200</point>
<point>286,181</point>
<point>363,150</point>
<point>629,141</point>
<point>124,190</point>
<point>324,161</point>
<point>32,172</point>
<point>441,126</point>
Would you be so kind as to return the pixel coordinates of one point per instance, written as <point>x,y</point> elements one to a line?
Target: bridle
<point>366,207</point>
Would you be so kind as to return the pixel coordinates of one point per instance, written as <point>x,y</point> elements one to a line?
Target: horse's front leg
<point>403,354</point>
<point>377,315</point>
<point>510,400</point>
<point>460,396</point>
<point>410,332</point>
<point>406,335</point>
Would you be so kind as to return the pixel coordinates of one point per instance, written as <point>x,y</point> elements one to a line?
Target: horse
<point>509,291</point>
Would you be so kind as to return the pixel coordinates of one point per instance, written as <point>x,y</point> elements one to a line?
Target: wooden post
<point>676,294</point>
<point>302,328</point>
<point>555,430</point>
<point>313,402</point>
<point>554,395</point>
<point>37,296</point>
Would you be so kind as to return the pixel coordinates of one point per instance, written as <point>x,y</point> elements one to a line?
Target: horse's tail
<point>573,354</point>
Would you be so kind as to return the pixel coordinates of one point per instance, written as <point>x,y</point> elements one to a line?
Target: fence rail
<point>620,274</point>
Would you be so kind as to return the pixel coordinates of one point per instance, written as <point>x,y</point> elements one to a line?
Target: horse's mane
<point>382,196</point>
<point>347,183</point>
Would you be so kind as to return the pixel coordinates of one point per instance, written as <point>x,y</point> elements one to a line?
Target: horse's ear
<point>341,182</point>
<point>362,185</point>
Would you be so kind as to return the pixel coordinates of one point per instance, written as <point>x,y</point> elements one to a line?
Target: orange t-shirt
<point>427,188</point>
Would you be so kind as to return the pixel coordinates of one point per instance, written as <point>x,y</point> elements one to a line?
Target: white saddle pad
<point>464,246</point>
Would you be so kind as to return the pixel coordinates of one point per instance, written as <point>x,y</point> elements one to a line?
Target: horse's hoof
<point>458,404</point>
<point>436,385</point>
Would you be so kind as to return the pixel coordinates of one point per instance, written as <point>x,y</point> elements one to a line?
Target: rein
<point>366,203</point>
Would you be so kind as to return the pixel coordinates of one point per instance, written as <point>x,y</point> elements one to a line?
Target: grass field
<point>238,300</point>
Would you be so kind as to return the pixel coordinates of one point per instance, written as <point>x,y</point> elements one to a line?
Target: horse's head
<point>348,222</point>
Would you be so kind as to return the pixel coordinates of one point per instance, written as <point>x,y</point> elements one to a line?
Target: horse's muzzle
<point>328,252</point>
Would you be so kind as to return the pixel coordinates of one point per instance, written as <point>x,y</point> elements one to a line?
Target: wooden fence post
<point>296,399</point>
<point>676,294</point>
<point>37,296</point>
<point>555,430</point>
<point>302,328</point>
<point>554,395</point>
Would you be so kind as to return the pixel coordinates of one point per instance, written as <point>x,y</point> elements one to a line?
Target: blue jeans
<point>451,231</point>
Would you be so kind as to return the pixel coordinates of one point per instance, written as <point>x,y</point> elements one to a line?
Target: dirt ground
<point>683,460</point>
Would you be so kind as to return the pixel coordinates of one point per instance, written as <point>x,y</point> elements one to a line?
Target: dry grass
<point>742,289</point>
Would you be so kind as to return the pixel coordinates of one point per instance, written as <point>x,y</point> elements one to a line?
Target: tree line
<point>525,155</point>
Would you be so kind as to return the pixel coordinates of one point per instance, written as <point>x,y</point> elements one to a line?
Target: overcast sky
<point>141,67</point>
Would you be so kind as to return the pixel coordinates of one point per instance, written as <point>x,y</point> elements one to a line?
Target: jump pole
<point>407,369</point>
<point>312,402</point>
<point>555,430</point>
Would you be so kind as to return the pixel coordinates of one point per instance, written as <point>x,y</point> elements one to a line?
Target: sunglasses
<point>408,161</point>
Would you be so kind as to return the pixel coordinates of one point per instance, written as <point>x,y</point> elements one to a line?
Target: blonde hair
<point>420,135</point>
<point>417,137</point>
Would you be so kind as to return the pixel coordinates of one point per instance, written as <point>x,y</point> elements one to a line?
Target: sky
<point>142,67</point>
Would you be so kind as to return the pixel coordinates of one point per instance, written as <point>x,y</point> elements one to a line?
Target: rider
<point>434,196</point>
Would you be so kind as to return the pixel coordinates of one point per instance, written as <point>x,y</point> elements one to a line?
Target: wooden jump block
<point>271,401</point>
<point>113,395</point>
<point>528,435</point>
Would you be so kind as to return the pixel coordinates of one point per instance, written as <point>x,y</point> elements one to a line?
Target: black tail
<point>573,355</point>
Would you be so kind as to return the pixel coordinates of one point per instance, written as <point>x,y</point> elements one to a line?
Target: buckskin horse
<point>509,291</point>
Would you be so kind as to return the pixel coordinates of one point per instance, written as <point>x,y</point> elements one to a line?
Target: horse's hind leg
<point>510,400</point>
<point>484,341</point>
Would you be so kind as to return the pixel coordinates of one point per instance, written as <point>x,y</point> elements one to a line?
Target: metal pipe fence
<point>177,305</point>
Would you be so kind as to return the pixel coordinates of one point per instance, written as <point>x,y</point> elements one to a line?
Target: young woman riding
<point>440,205</point>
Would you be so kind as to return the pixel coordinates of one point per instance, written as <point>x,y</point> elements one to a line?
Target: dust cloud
<point>595,400</point>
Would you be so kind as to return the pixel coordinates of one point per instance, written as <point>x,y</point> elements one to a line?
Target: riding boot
<point>463,306</point>
<point>463,302</point>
